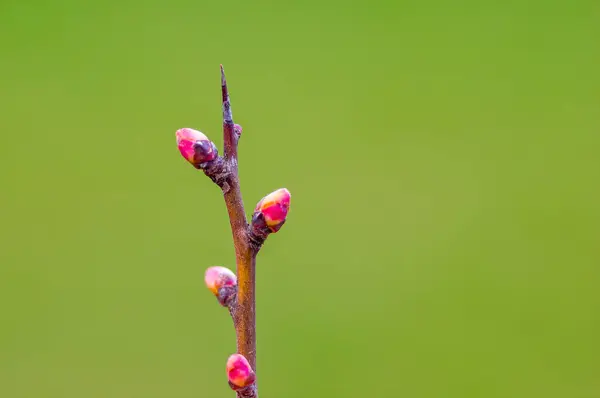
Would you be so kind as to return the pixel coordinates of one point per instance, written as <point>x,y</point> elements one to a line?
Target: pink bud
<point>222,282</point>
<point>274,208</point>
<point>195,147</point>
<point>238,129</point>
<point>239,372</point>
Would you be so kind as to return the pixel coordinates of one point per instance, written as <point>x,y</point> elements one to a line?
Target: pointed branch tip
<point>227,116</point>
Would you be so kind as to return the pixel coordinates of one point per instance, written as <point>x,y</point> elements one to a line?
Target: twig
<point>244,314</point>
<point>236,293</point>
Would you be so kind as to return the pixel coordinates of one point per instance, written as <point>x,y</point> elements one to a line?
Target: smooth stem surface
<point>244,314</point>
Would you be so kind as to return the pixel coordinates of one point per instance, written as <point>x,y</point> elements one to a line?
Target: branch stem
<point>244,317</point>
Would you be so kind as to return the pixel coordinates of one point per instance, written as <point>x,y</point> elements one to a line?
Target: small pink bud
<point>222,282</point>
<point>273,208</point>
<point>238,129</point>
<point>195,147</point>
<point>239,372</point>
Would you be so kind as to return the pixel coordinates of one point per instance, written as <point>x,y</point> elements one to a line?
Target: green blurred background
<point>443,159</point>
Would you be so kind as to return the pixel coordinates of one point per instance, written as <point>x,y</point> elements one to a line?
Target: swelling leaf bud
<point>271,211</point>
<point>238,130</point>
<point>239,372</point>
<point>222,282</point>
<point>195,147</point>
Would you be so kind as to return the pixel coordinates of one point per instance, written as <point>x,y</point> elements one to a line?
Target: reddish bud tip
<point>217,278</point>
<point>238,130</point>
<point>239,372</point>
<point>273,209</point>
<point>195,147</point>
